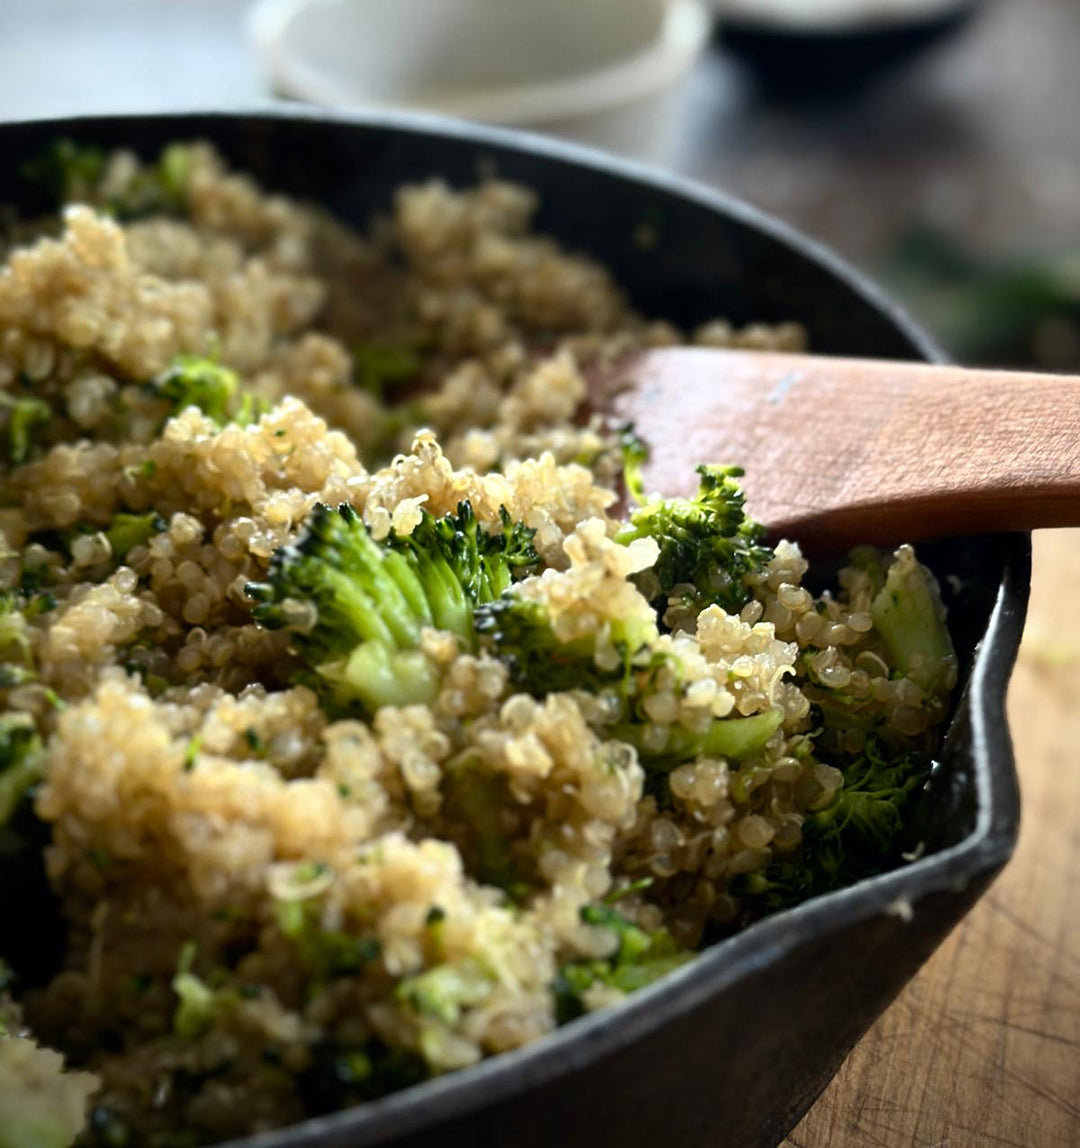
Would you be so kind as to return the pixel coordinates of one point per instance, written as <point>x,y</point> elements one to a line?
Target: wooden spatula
<point>843,451</point>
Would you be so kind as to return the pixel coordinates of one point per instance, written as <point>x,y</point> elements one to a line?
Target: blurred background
<point>936,144</point>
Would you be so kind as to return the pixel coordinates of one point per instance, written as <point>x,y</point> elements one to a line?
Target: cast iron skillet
<point>732,1049</point>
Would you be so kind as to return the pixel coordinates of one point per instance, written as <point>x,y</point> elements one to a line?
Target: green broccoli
<point>635,452</point>
<point>341,1076</point>
<point>377,368</point>
<point>640,959</point>
<point>325,953</point>
<point>732,737</point>
<point>16,654</point>
<point>855,837</point>
<point>706,543</point>
<point>201,1003</point>
<point>68,172</point>
<point>357,606</point>
<point>126,531</point>
<point>20,761</point>
<point>445,991</point>
<point>518,632</point>
<point>910,618</point>
<point>191,381</point>
<point>25,416</point>
<point>197,1004</point>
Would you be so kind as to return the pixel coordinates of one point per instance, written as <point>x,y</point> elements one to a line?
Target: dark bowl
<point>834,62</point>
<point>733,1048</point>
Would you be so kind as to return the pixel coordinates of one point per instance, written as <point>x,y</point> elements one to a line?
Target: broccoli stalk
<point>854,837</point>
<point>639,959</point>
<point>24,417</point>
<point>20,761</point>
<point>362,605</point>
<point>634,452</point>
<point>126,531</point>
<point>707,544</point>
<point>16,652</point>
<point>910,618</point>
<point>734,738</point>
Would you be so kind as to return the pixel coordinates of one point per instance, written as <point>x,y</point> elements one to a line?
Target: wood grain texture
<point>983,1047</point>
<point>846,451</point>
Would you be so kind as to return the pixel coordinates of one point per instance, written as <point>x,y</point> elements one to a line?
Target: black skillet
<point>732,1049</point>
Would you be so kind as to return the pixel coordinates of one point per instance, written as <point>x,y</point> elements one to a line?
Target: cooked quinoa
<point>281,900</point>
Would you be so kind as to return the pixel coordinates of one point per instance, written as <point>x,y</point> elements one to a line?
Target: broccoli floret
<point>445,991</point>
<point>518,631</point>
<point>191,381</point>
<point>706,543</point>
<point>358,607</point>
<point>640,959</point>
<point>24,417</point>
<point>20,761</point>
<point>910,618</point>
<point>197,1005</point>
<point>196,382</point>
<point>325,953</point>
<point>378,368</point>
<point>341,1076</point>
<point>479,798</point>
<point>855,837</point>
<point>67,172</point>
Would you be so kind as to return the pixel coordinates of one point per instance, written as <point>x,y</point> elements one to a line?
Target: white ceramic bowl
<point>604,72</point>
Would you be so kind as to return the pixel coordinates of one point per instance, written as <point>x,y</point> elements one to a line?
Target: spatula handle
<point>845,450</point>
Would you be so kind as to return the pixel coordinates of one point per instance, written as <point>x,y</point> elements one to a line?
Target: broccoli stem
<point>910,618</point>
<point>20,761</point>
<point>735,738</point>
<point>126,531</point>
<point>25,416</point>
<point>381,677</point>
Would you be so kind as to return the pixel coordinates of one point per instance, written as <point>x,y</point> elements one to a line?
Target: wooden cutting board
<point>983,1047</point>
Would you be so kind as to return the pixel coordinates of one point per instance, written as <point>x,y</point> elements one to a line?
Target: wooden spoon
<point>839,452</point>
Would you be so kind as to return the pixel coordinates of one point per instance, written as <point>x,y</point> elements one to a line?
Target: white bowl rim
<point>684,30</point>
